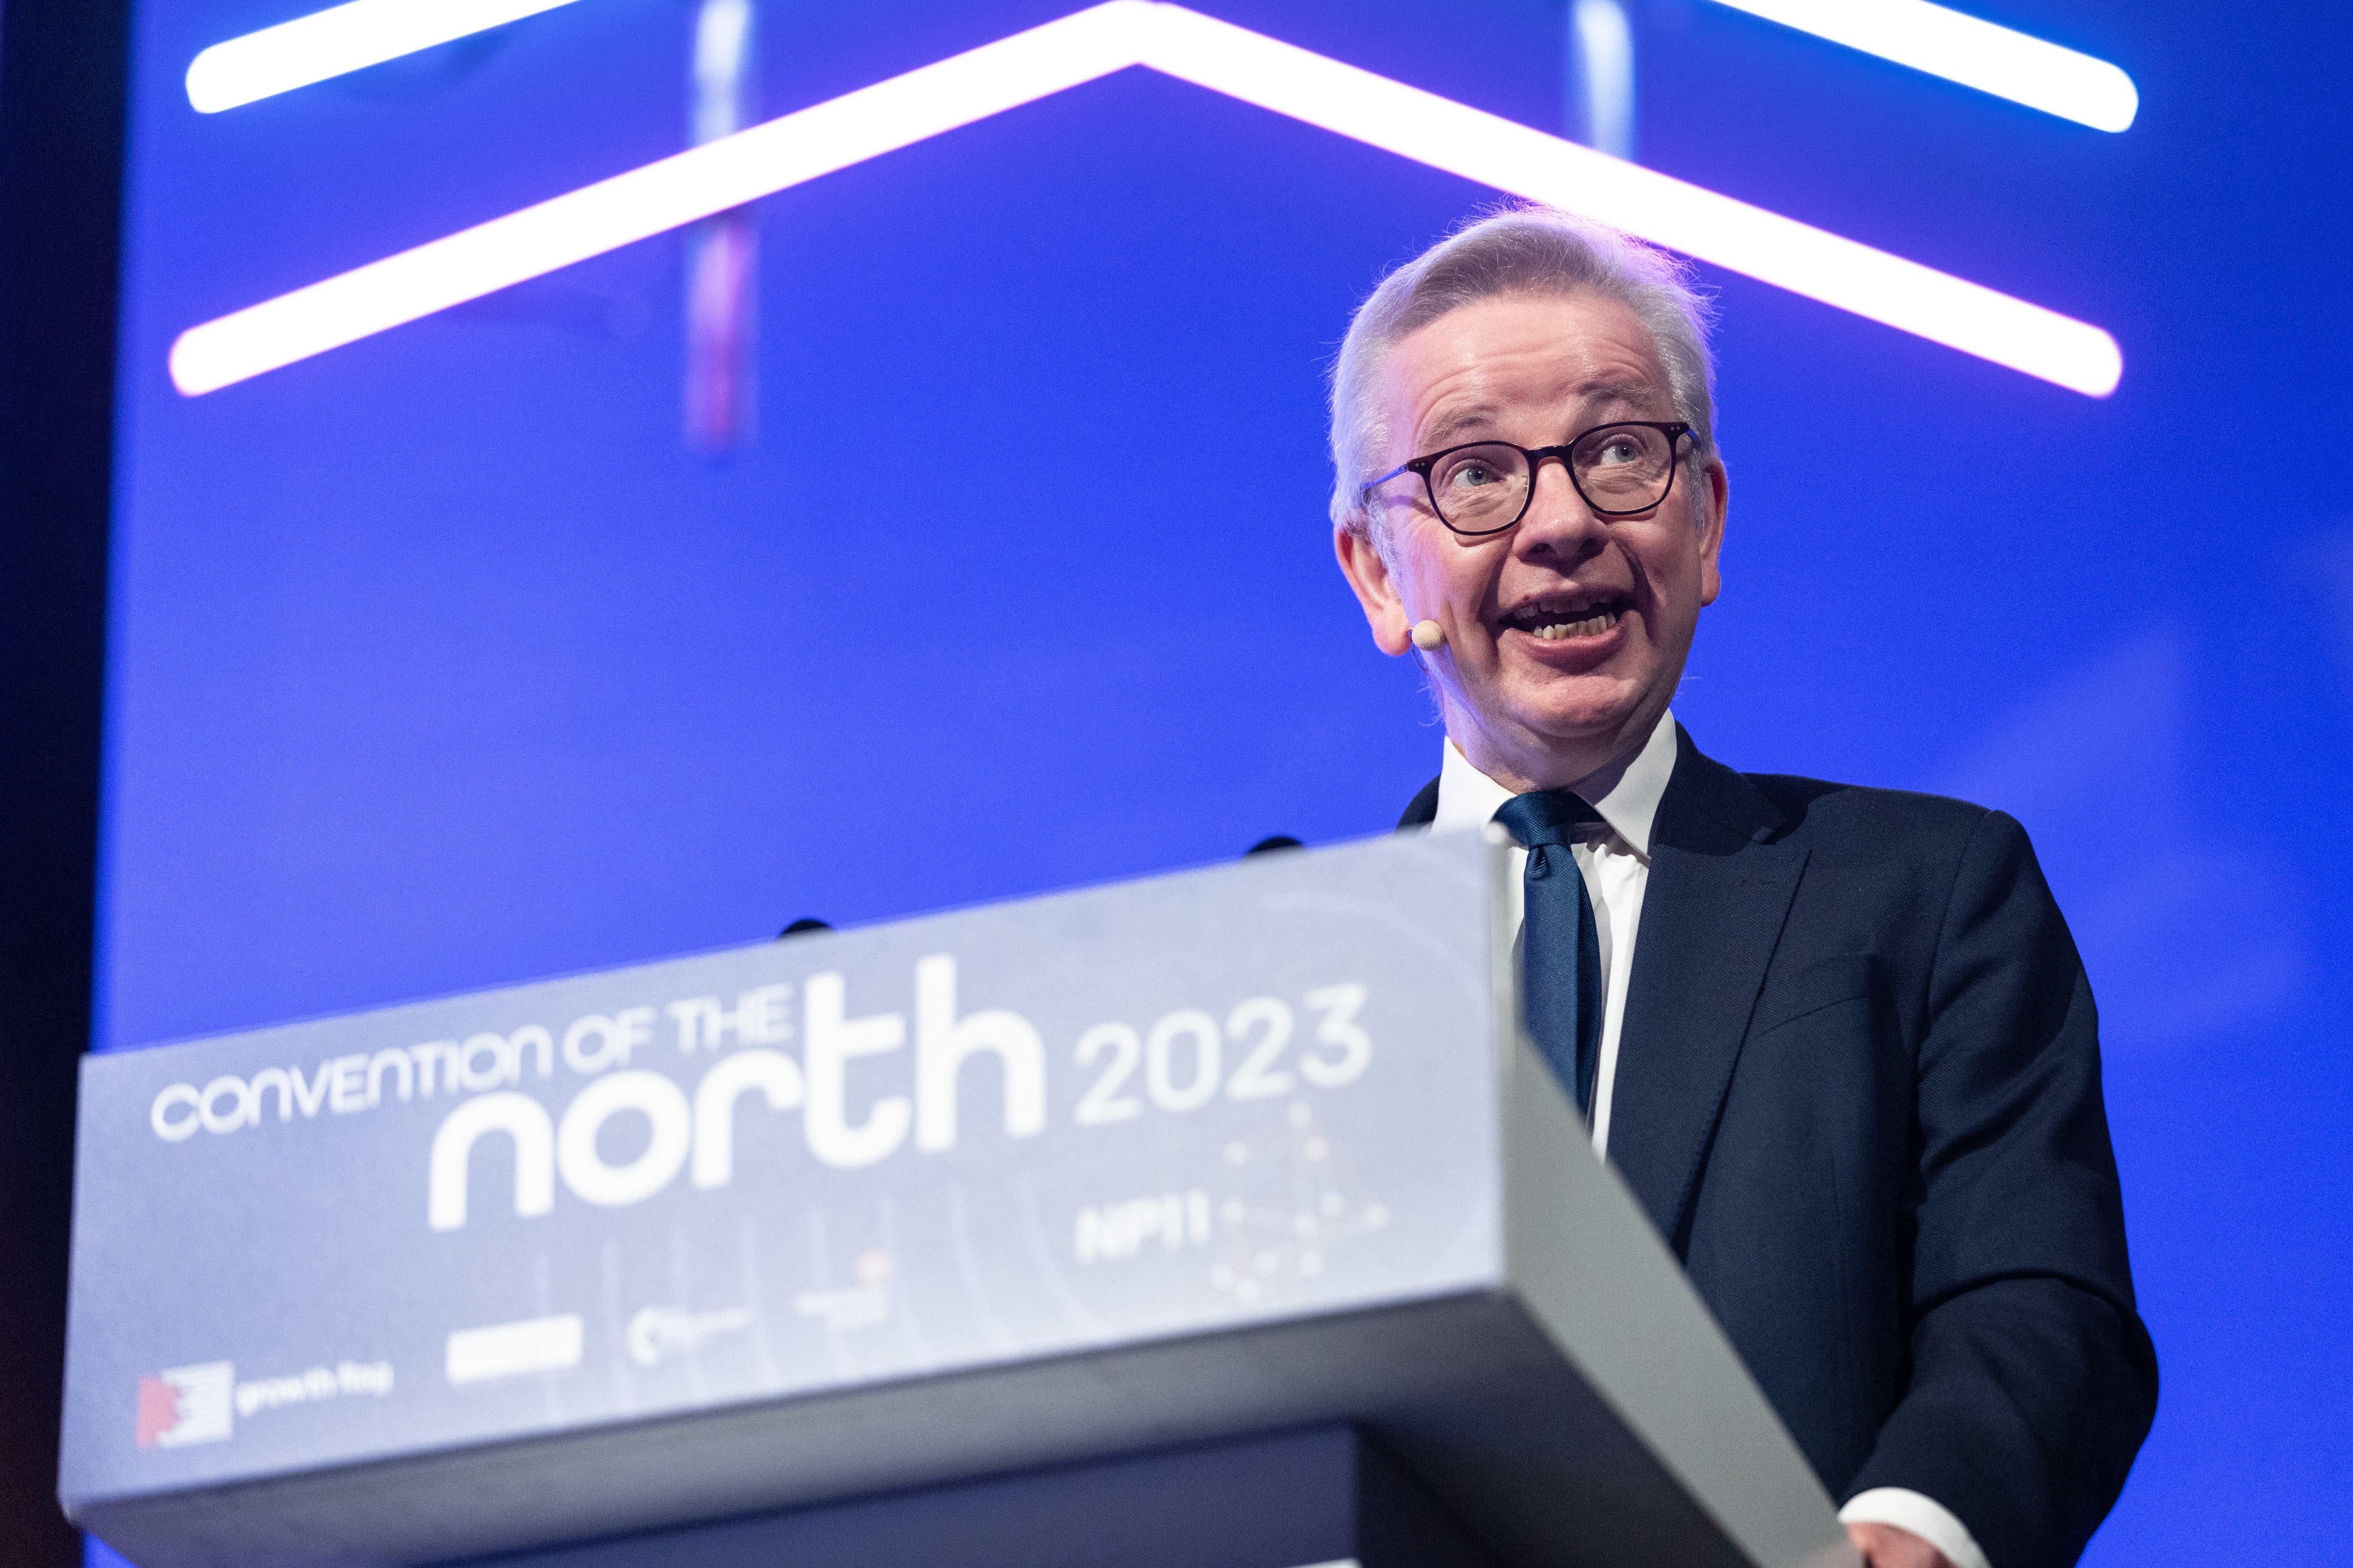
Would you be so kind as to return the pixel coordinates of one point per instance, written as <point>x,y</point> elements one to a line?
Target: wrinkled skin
<point>1529,712</point>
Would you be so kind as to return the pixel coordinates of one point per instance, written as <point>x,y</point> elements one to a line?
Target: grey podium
<point>1221,1219</point>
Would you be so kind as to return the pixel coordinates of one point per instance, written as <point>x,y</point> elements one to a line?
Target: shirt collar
<point>1625,793</point>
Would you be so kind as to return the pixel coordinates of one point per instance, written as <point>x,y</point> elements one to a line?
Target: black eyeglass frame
<point>1673,429</point>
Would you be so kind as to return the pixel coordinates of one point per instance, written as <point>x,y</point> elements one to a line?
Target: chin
<point>1576,718</point>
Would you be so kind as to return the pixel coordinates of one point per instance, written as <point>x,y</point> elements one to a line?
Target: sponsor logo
<point>202,1404</point>
<point>857,1306</point>
<point>185,1405</point>
<point>658,1333</point>
<point>509,1350</point>
<point>1122,1230</point>
<point>312,1385</point>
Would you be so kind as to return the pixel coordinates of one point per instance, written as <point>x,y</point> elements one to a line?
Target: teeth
<point>1561,631</point>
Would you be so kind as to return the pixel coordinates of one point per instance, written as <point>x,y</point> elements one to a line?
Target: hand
<point>1885,1546</point>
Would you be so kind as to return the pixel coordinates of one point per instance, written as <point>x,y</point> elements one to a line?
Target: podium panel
<point>1172,1162</point>
<point>1328,1497</point>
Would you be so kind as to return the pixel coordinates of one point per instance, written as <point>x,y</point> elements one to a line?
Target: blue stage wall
<point>439,661</point>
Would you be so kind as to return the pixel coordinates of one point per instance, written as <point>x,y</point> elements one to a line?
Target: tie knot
<point>1545,817</point>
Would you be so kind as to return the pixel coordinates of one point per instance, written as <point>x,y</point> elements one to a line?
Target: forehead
<point>1524,357</point>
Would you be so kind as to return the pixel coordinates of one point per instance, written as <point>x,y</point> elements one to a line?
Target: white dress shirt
<point>1615,858</point>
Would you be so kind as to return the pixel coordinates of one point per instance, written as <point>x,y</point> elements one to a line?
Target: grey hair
<point>1525,250</point>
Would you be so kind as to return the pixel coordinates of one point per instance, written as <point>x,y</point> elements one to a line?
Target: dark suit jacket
<point>1859,1093</point>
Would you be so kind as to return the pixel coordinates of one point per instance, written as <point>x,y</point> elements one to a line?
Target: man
<point>1838,1040</point>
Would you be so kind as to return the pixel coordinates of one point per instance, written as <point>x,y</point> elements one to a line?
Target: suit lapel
<point>1719,890</point>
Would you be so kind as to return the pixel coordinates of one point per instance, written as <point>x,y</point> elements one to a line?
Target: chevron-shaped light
<point>1252,66</point>
<point>337,41</point>
<point>1969,50</point>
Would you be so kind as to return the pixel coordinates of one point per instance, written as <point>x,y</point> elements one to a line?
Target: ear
<point>1376,590</point>
<point>1715,504</point>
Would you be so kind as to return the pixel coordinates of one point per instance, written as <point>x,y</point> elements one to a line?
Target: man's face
<point>1565,634</point>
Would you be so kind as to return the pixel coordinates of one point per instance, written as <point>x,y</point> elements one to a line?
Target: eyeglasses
<point>1484,488</point>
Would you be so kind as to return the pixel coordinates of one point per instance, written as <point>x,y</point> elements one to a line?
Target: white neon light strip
<point>1968,50</point>
<point>1249,65</point>
<point>332,42</point>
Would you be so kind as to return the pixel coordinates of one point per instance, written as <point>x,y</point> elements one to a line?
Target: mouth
<point>1568,617</point>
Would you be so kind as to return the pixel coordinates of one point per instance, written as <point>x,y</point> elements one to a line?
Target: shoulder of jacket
<point>1421,811</point>
<point>1818,808</point>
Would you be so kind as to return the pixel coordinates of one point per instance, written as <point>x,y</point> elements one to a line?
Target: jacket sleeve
<point>2032,1381</point>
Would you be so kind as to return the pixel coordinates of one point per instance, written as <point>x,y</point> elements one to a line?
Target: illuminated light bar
<point>333,42</point>
<point>1257,70</point>
<point>1969,50</point>
<point>658,196</point>
<point>1698,222</point>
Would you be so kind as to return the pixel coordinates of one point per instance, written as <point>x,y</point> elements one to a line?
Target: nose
<point>1558,523</point>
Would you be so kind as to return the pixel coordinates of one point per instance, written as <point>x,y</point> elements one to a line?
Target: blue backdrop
<point>439,661</point>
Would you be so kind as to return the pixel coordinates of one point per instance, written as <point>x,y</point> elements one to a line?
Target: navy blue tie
<point>1560,949</point>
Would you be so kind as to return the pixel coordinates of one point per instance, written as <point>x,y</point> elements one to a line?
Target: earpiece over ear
<point>1429,635</point>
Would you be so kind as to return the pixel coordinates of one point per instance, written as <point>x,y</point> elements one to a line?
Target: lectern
<point>1217,1220</point>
